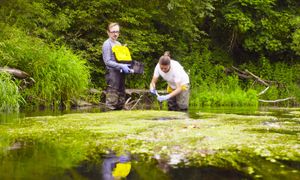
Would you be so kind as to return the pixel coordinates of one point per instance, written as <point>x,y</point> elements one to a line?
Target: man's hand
<point>125,69</point>
<point>163,98</point>
<point>153,91</point>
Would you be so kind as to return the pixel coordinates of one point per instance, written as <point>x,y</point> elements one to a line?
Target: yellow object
<point>169,89</point>
<point>121,53</point>
<point>122,169</point>
<point>183,88</point>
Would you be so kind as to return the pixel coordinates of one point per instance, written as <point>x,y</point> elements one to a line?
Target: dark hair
<point>164,60</point>
<point>112,24</point>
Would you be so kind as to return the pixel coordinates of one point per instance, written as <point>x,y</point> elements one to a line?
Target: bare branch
<point>263,92</point>
<point>277,100</point>
<point>136,102</point>
<point>257,78</point>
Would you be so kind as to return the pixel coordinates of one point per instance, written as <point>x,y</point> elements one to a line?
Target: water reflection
<point>153,169</point>
<point>24,160</point>
<point>6,118</point>
<point>37,161</point>
<point>206,173</point>
<point>116,167</point>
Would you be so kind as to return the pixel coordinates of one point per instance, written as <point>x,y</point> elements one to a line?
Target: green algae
<point>261,145</point>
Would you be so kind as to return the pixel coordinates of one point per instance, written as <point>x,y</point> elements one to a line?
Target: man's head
<point>164,63</point>
<point>113,31</point>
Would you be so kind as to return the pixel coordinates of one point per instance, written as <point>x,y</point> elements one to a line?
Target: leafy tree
<point>259,27</point>
<point>296,35</point>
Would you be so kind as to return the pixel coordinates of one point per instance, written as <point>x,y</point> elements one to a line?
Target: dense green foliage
<point>10,97</point>
<point>59,75</point>
<point>207,37</point>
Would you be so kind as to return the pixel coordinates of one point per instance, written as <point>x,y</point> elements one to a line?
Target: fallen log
<point>142,91</point>
<point>15,72</point>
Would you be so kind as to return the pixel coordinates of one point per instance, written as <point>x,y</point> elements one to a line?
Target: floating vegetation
<point>260,146</point>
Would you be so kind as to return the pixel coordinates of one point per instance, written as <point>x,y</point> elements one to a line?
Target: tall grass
<point>228,93</point>
<point>10,97</point>
<point>59,74</point>
<point>210,86</point>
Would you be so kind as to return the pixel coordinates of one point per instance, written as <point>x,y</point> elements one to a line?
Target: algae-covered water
<point>221,143</point>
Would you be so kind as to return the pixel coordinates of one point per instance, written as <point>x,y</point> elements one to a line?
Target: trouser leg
<point>121,99</point>
<point>183,100</point>
<point>115,92</point>
<point>172,104</point>
<point>111,98</point>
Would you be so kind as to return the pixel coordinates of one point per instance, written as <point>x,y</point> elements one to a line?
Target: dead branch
<point>240,73</point>
<point>257,78</point>
<point>277,100</point>
<point>263,92</point>
<point>238,70</point>
<point>136,102</point>
<point>127,101</point>
<point>246,74</point>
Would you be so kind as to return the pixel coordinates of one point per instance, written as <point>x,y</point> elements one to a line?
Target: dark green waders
<point>115,91</point>
<point>180,102</point>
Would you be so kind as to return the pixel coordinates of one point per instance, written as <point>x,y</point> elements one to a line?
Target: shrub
<point>10,97</point>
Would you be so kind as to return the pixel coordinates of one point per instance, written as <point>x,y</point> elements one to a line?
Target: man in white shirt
<point>178,83</point>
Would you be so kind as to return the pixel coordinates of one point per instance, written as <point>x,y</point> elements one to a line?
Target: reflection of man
<point>115,79</point>
<point>178,83</point>
<point>116,167</point>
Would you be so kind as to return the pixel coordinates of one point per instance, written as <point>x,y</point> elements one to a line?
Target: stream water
<point>40,161</point>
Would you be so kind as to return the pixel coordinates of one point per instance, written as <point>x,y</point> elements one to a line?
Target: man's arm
<point>176,91</point>
<point>153,83</point>
<point>107,54</point>
<point>172,94</point>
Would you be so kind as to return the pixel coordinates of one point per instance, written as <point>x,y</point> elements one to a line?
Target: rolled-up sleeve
<point>156,71</point>
<point>108,56</point>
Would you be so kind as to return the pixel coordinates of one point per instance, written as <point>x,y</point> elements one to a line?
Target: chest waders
<point>115,79</point>
<point>181,101</point>
<point>115,91</point>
